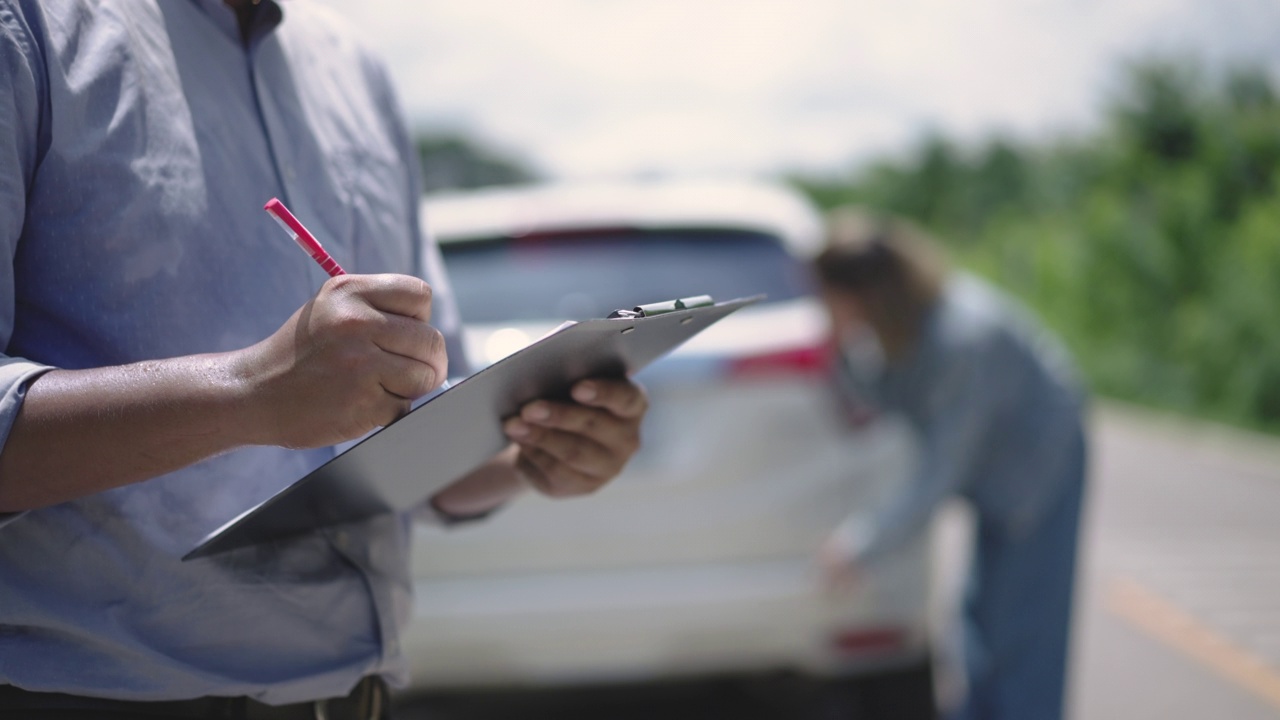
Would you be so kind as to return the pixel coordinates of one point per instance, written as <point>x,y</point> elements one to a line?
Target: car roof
<point>460,216</point>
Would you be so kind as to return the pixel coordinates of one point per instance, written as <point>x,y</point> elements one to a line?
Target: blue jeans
<point>1017,612</point>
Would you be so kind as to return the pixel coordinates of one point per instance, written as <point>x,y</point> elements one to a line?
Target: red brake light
<point>869,641</point>
<point>569,235</point>
<point>807,361</point>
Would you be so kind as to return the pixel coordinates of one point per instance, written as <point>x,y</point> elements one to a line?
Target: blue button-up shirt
<point>138,142</point>
<point>996,404</point>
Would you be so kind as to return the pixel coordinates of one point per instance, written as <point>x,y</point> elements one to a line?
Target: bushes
<point>1152,246</point>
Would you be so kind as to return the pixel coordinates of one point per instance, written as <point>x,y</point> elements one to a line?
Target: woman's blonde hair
<point>894,269</point>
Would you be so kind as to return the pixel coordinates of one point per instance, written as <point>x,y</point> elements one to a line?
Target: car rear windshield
<point>585,274</point>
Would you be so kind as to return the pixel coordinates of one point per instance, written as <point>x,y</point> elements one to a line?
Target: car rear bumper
<point>644,624</point>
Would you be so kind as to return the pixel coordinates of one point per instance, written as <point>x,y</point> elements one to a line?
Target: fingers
<point>609,412</point>
<point>397,294</point>
<point>578,454</point>
<point>392,312</point>
<point>622,398</point>
<point>389,409</point>
<point>840,572</point>
<point>587,439</point>
<point>840,580</point>
<point>550,476</point>
<point>406,378</point>
<point>414,340</point>
<point>542,421</point>
<point>570,449</point>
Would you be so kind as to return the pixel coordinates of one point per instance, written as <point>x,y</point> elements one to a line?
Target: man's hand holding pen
<point>349,361</point>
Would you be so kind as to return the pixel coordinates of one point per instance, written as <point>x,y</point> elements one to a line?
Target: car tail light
<point>561,235</point>
<point>869,640</point>
<point>806,361</point>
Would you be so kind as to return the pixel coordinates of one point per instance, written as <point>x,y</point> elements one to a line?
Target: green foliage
<point>1151,246</point>
<point>455,161</point>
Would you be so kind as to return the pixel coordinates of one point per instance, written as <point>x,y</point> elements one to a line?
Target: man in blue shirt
<point>168,362</point>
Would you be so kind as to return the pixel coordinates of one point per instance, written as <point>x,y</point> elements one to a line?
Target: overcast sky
<point>601,88</point>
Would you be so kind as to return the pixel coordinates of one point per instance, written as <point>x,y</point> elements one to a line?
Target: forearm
<point>905,519</point>
<point>84,431</point>
<point>485,488</point>
<point>350,360</point>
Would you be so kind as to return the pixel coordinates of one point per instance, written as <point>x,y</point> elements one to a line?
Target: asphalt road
<point>1179,601</point>
<point>1181,611</point>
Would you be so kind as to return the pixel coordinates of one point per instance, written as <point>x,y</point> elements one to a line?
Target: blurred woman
<point>997,408</point>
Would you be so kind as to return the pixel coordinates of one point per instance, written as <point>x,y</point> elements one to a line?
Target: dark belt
<point>368,701</point>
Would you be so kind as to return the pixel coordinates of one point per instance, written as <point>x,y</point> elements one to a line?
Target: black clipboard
<point>397,468</point>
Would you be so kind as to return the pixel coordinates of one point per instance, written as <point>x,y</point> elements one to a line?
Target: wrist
<point>243,398</point>
<point>486,488</point>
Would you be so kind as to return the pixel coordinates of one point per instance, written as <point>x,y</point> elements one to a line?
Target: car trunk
<point>745,457</point>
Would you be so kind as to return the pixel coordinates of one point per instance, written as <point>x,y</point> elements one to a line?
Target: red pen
<point>305,240</point>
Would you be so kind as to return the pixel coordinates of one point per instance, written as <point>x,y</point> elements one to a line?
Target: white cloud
<point>607,87</point>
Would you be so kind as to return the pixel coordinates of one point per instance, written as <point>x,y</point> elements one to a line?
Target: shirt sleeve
<point>20,109</point>
<point>952,428</point>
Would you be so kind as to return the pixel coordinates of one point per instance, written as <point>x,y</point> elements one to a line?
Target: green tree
<point>456,161</point>
<point>1152,245</point>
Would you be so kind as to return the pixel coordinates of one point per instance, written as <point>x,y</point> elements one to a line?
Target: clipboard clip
<point>661,308</point>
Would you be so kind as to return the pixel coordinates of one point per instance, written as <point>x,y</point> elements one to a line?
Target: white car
<point>699,560</point>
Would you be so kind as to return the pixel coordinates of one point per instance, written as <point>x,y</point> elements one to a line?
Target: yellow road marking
<point>1177,628</point>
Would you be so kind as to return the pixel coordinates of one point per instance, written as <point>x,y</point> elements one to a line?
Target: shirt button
<point>342,539</point>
